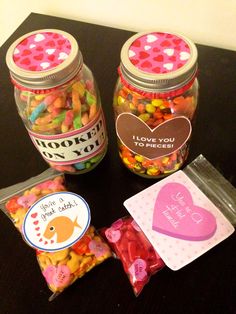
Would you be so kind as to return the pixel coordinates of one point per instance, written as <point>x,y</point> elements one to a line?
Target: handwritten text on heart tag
<point>175,215</point>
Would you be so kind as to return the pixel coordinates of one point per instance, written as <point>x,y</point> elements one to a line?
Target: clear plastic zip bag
<point>16,199</point>
<point>190,211</point>
<point>61,267</point>
<point>211,182</point>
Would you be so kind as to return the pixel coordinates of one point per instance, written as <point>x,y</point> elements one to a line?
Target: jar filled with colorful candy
<point>58,100</point>
<point>155,102</point>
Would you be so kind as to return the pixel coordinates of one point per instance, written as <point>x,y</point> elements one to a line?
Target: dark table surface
<point>205,286</point>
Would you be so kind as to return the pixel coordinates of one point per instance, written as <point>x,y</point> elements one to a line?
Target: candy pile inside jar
<point>154,112</point>
<point>58,100</point>
<point>155,100</point>
<point>139,259</point>
<point>70,107</point>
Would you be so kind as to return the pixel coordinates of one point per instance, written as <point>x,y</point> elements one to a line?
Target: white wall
<point>210,22</point>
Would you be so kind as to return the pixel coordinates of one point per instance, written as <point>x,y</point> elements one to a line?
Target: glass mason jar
<point>58,100</point>
<point>154,102</point>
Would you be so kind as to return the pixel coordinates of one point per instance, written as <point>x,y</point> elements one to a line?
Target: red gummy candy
<point>130,235</point>
<point>12,204</point>
<point>140,260</point>
<point>81,246</point>
<point>132,250</point>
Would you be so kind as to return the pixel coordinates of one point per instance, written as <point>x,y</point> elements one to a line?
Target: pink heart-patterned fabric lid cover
<point>44,59</point>
<point>158,60</point>
<point>159,52</point>
<point>41,51</point>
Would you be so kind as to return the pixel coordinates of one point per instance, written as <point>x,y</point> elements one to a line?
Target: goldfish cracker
<point>74,261</point>
<point>139,259</point>
<point>18,217</point>
<point>56,257</point>
<point>44,260</point>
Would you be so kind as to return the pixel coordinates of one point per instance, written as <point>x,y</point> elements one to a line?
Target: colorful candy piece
<point>76,104</point>
<point>90,98</point>
<point>80,165</point>
<point>77,123</point>
<point>37,111</point>
<point>68,121</point>
<point>139,259</point>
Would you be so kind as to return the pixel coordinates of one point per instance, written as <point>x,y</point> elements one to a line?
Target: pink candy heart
<point>27,200</point>
<point>113,235</point>
<point>175,215</point>
<point>138,269</point>
<point>49,273</point>
<point>97,248</point>
<point>59,276</point>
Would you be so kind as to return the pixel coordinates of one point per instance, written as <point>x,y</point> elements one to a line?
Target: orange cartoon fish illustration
<point>62,226</point>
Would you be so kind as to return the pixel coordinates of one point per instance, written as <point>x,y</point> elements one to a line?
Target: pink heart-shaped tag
<point>175,215</point>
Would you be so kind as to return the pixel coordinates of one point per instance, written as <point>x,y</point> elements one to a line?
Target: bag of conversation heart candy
<point>139,259</point>
<point>56,223</point>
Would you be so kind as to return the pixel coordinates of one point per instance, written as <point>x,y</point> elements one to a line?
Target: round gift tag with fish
<point>56,221</point>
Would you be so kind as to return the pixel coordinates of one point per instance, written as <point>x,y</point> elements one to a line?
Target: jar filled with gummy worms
<point>155,101</point>
<point>58,100</point>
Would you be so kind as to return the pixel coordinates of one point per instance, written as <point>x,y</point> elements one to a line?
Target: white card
<point>178,219</point>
